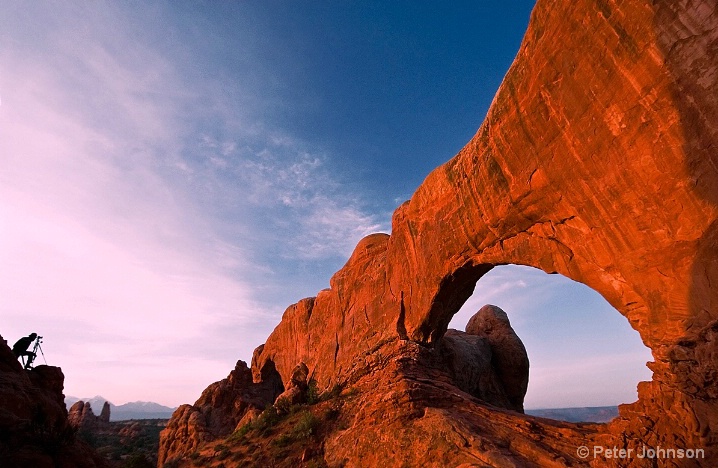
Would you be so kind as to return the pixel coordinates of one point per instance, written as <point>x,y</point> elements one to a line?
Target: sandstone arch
<point>599,167</point>
<point>597,160</point>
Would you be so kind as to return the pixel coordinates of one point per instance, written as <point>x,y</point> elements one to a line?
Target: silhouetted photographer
<point>20,349</point>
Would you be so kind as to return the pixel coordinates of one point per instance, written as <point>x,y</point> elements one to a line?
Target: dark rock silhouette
<point>34,429</point>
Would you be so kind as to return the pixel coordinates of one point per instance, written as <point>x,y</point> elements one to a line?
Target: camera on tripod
<point>32,356</point>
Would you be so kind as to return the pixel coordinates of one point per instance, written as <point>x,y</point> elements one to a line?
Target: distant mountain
<point>132,410</point>
<point>599,414</point>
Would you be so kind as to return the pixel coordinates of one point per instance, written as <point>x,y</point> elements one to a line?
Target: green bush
<point>268,419</point>
<point>241,432</point>
<point>306,426</point>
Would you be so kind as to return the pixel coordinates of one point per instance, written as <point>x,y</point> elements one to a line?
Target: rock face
<point>81,417</point>
<point>597,160</point>
<point>34,429</point>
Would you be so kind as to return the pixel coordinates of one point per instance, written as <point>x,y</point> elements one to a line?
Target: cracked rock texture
<point>598,159</point>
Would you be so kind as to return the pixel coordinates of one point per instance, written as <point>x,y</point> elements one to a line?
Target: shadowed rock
<point>296,391</point>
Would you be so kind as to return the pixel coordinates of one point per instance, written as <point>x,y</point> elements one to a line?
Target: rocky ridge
<point>597,160</point>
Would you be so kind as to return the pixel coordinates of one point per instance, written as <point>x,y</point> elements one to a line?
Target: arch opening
<point>585,359</point>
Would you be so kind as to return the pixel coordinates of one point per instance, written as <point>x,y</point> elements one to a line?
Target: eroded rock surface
<point>597,160</point>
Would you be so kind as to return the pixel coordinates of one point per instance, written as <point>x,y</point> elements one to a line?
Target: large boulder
<point>508,354</point>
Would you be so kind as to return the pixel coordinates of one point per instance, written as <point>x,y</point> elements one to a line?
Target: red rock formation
<point>218,411</point>
<point>460,369</point>
<point>409,412</point>
<point>81,417</point>
<point>597,160</point>
<point>34,430</point>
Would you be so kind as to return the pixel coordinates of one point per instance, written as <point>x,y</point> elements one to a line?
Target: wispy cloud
<point>134,235</point>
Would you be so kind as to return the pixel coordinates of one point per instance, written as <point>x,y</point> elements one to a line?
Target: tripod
<point>31,356</point>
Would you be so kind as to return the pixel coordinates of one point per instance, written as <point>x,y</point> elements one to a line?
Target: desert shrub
<point>268,419</point>
<point>241,432</point>
<point>306,426</point>
<point>263,424</point>
<point>283,440</point>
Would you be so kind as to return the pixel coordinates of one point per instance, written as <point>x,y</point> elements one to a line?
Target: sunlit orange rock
<point>598,159</point>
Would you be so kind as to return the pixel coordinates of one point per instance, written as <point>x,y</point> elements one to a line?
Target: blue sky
<point>174,174</point>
